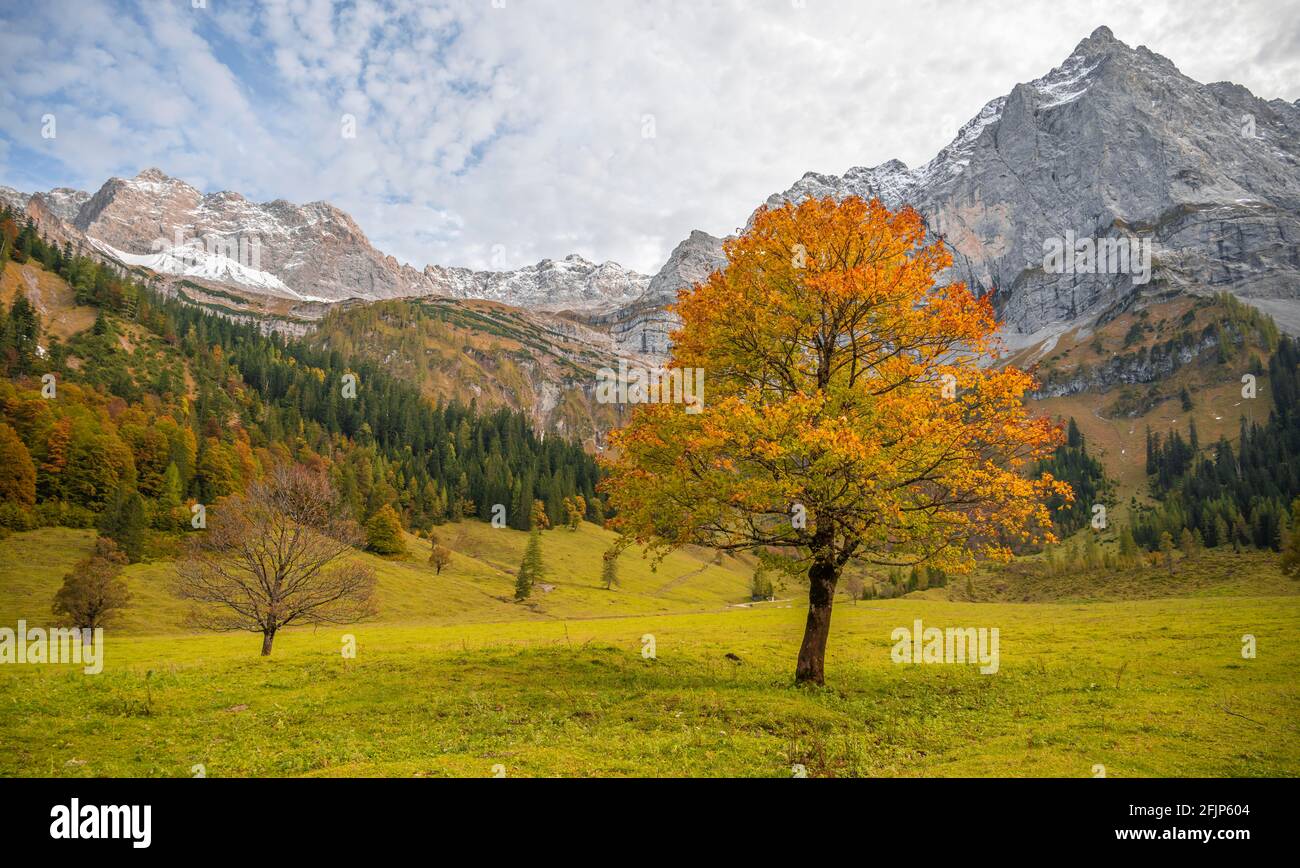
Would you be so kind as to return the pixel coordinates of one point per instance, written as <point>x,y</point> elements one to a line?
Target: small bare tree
<point>275,556</point>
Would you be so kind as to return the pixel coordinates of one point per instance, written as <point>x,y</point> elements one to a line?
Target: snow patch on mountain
<point>197,262</point>
<point>15,199</point>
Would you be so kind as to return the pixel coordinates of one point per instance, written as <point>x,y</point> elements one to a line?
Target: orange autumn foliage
<point>843,385</point>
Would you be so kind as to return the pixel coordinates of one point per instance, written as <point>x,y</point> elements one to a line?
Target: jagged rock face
<point>48,210</point>
<point>312,252</point>
<point>64,202</point>
<point>52,212</point>
<point>1115,142</point>
<point>1146,367</point>
<point>13,198</point>
<point>643,326</point>
<point>571,283</point>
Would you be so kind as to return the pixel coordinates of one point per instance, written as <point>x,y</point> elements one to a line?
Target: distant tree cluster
<point>1230,494</point>
<point>1071,463</point>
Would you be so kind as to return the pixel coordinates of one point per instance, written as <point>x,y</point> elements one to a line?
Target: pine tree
<point>169,498</point>
<point>132,527</point>
<point>531,568</point>
<point>123,521</point>
<point>1091,551</point>
<point>24,333</point>
<point>1127,548</point>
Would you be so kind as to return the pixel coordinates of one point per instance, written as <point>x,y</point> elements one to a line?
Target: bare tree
<point>275,556</point>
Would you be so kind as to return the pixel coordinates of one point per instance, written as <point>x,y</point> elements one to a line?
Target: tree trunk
<point>822,577</point>
<point>268,636</point>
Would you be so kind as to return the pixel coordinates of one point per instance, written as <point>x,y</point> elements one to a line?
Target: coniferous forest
<point>162,404</point>
<point>1230,494</point>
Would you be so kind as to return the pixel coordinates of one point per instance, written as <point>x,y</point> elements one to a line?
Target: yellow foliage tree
<point>850,413</point>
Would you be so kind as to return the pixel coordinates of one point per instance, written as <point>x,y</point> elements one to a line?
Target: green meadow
<point>456,679</point>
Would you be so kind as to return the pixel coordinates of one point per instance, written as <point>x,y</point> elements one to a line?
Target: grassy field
<point>455,679</point>
<point>478,586</point>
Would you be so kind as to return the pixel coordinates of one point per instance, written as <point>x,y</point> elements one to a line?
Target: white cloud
<point>524,126</point>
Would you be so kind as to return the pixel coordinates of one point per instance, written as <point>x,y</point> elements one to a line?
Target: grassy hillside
<point>477,586</point>
<point>50,294</point>
<point>1207,573</point>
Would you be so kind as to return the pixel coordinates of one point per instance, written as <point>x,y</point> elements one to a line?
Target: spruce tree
<point>1127,548</point>
<point>169,500</point>
<point>24,332</point>
<point>531,568</point>
<point>1167,549</point>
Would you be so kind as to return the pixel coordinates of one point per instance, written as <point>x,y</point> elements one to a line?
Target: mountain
<point>475,350</point>
<point>307,253</point>
<point>642,327</point>
<point>1115,147</point>
<point>1114,143</point>
<point>572,283</point>
<point>13,198</point>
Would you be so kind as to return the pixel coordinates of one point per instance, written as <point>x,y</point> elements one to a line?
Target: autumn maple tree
<point>851,412</point>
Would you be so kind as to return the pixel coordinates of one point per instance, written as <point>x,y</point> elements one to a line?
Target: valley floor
<point>1143,687</point>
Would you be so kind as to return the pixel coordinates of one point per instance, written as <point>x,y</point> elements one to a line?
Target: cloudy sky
<point>493,133</point>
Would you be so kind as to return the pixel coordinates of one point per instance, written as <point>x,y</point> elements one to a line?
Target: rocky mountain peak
<point>1114,142</point>
<point>1100,41</point>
